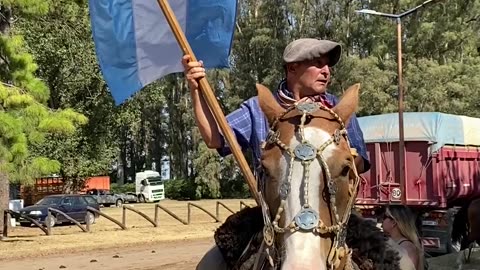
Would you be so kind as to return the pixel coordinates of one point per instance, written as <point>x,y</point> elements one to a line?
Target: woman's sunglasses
<point>387,216</point>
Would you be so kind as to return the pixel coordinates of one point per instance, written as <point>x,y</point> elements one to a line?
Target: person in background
<point>399,224</point>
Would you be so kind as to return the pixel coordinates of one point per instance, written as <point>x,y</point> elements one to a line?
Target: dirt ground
<point>456,261</point>
<point>174,255</point>
<point>172,245</point>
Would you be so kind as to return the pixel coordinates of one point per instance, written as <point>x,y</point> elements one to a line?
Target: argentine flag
<point>136,46</point>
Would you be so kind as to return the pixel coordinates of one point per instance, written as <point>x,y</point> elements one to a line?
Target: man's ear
<point>268,103</point>
<point>291,67</point>
<point>348,103</point>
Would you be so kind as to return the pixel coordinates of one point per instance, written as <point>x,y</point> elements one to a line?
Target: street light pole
<point>401,137</point>
<point>401,133</point>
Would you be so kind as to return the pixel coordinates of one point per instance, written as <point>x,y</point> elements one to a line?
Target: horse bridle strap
<point>307,219</point>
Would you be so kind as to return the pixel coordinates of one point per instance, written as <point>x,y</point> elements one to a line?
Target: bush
<point>180,189</point>
<point>235,189</point>
<point>116,188</point>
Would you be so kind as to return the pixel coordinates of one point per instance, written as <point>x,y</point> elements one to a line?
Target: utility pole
<point>401,144</point>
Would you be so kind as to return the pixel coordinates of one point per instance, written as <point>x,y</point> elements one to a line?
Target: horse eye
<point>345,170</point>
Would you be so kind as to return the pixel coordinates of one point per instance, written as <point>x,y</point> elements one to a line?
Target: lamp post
<point>401,143</point>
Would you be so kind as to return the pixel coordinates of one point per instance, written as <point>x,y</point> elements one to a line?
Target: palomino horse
<point>307,194</point>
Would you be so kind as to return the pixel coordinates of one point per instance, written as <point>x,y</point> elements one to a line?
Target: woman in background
<point>399,224</point>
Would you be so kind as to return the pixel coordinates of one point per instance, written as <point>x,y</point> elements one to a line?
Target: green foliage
<point>141,127</point>
<point>52,62</point>
<point>459,87</point>
<point>24,117</point>
<point>116,188</point>
<point>208,171</point>
<point>180,189</point>
<point>378,91</point>
<point>66,57</point>
<point>20,70</point>
<point>232,184</point>
<point>36,7</point>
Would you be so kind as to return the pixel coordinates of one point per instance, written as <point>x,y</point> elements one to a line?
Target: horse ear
<point>348,103</point>
<point>268,103</point>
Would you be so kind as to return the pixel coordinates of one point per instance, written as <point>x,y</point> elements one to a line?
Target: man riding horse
<point>307,64</point>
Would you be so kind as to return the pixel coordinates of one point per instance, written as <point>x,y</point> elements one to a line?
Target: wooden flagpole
<point>211,100</point>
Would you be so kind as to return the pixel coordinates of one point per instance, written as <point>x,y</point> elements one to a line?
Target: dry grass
<point>27,242</point>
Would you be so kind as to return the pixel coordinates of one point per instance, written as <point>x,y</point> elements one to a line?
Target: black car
<point>74,205</point>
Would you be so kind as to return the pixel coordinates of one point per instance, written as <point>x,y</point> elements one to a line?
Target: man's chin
<point>320,90</point>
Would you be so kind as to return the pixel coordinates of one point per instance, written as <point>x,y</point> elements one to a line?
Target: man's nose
<point>325,70</point>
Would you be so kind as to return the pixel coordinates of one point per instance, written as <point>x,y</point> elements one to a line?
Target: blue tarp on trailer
<point>438,128</point>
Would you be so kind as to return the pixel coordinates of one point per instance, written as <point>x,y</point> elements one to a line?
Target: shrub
<point>180,189</point>
<point>116,188</point>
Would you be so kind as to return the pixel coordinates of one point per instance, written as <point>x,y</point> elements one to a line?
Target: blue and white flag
<point>136,46</point>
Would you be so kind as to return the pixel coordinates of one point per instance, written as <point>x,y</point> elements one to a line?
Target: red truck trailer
<point>442,172</point>
<point>55,185</point>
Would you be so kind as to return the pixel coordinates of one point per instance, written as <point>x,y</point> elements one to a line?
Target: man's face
<point>311,76</point>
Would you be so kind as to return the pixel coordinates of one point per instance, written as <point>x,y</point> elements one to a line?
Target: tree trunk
<point>4,196</point>
<point>5,24</point>
<point>121,167</point>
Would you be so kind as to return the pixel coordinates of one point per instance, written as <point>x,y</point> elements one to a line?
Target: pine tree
<point>63,48</point>
<point>25,120</point>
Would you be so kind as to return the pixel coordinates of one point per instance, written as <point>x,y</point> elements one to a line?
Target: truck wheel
<point>141,199</point>
<point>118,203</point>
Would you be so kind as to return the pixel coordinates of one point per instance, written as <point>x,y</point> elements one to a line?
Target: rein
<point>307,219</point>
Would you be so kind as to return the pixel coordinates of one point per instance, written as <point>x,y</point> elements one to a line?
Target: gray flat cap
<point>310,48</point>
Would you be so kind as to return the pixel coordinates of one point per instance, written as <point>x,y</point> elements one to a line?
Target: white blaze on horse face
<point>303,250</point>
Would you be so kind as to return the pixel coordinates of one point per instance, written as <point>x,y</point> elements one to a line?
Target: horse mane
<point>369,245</point>
<point>460,224</point>
<point>234,235</point>
<point>238,239</point>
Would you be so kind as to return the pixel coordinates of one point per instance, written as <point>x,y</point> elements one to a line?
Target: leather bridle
<point>307,219</point>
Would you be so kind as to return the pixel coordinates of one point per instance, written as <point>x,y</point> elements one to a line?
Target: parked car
<point>74,205</point>
<point>107,198</point>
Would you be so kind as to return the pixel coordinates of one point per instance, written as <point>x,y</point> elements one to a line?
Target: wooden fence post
<point>6,217</point>
<point>124,217</point>
<point>156,214</point>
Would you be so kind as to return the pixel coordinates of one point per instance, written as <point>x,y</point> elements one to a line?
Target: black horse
<point>466,226</point>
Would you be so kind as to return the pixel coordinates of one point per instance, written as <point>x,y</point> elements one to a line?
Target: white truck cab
<point>149,186</point>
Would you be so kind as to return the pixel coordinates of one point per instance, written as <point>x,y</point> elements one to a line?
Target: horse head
<point>310,181</point>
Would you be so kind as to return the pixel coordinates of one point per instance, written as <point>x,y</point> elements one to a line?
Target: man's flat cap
<point>310,48</point>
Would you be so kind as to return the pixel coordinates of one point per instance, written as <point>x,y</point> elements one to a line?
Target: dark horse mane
<point>368,242</point>
<point>461,225</point>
